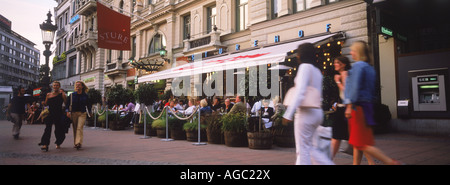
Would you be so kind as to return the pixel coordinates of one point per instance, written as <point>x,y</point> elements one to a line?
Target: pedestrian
<point>359,95</point>
<point>305,103</point>
<point>54,100</point>
<point>16,111</point>
<point>340,124</point>
<point>78,107</point>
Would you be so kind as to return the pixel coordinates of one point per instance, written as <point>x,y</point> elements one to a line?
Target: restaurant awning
<point>261,56</point>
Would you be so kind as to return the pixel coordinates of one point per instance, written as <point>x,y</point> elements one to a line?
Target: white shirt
<point>307,75</point>
<point>189,110</point>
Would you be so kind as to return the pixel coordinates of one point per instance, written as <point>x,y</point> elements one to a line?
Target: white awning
<point>261,56</point>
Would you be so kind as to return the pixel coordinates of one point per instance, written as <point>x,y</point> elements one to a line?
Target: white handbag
<point>312,98</point>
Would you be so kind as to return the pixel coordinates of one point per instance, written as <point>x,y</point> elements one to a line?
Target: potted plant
<point>176,128</point>
<point>160,126</point>
<point>214,129</point>
<point>259,138</point>
<point>95,97</point>
<point>145,94</point>
<point>233,126</point>
<point>139,127</point>
<point>117,95</point>
<point>283,133</point>
<point>191,129</point>
<point>101,119</point>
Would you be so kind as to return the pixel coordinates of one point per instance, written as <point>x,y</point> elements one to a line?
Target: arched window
<point>157,43</point>
<point>121,6</point>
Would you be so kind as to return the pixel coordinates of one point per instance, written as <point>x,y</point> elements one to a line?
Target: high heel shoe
<point>77,146</point>
<point>58,146</point>
<point>44,148</point>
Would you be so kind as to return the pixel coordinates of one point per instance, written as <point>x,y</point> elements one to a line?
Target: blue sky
<point>26,15</point>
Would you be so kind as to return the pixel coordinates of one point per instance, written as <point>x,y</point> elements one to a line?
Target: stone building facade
<point>191,27</point>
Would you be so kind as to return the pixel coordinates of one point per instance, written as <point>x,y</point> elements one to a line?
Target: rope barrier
<point>167,107</point>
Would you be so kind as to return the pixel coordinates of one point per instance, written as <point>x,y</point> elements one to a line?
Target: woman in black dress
<point>54,100</point>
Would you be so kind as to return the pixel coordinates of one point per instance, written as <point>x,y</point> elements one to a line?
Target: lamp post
<point>48,33</point>
<point>163,53</point>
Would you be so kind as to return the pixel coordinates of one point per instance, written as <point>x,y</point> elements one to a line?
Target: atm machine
<point>428,90</point>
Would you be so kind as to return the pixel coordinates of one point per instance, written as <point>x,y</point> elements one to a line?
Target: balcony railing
<point>86,7</point>
<point>86,37</point>
<point>211,39</point>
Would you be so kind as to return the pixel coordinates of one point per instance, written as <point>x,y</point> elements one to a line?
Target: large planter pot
<point>215,136</point>
<point>260,140</point>
<point>177,134</point>
<point>102,124</point>
<point>285,139</point>
<point>161,133</point>
<point>138,129</point>
<point>151,131</point>
<point>192,135</point>
<point>235,139</point>
<point>89,122</point>
<point>116,125</point>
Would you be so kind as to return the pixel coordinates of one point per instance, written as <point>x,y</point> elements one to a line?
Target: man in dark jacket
<point>16,111</point>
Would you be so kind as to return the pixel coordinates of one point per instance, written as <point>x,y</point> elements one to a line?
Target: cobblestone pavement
<point>125,148</point>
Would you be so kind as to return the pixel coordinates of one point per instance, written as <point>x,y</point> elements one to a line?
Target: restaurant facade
<point>230,30</point>
<point>175,39</point>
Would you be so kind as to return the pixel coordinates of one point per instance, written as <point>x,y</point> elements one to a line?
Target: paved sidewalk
<point>124,147</point>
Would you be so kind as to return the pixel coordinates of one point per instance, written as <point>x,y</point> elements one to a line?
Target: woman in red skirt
<point>359,95</point>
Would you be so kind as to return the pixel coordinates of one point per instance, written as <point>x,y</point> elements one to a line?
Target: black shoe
<point>44,148</point>
<point>78,146</point>
<point>16,137</point>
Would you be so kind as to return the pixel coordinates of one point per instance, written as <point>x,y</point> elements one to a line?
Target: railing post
<point>198,137</point>
<point>167,125</point>
<point>145,120</point>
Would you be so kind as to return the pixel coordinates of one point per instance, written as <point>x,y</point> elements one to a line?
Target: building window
<point>133,47</point>
<point>275,8</point>
<point>241,15</point>
<point>157,43</point>
<point>301,5</point>
<point>72,66</point>
<point>211,18</point>
<point>186,27</point>
<point>121,7</point>
<point>108,59</point>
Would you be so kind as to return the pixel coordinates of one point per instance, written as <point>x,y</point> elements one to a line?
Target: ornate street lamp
<point>48,33</point>
<point>163,53</point>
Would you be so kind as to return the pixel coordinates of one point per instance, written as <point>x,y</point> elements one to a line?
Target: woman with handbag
<point>305,101</point>
<point>359,95</point>
<point>54,100</point>
<point>76,109</point>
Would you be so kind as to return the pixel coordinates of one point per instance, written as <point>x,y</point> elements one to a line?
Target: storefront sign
<point>277,38</point>
<point>91,79</point>
<point>255,43</point>
<point>386,31</point>
<point>301,34</point>
<point>75,18</point>
<point>328,27</point>
<point>37,91</point>
<point>402,103</point>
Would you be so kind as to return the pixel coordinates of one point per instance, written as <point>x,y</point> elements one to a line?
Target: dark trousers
<point>60,133</point>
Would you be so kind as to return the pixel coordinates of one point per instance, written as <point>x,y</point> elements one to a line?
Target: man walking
<point>16,111</point>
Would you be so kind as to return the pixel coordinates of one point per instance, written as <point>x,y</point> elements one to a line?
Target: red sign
<point>37,91</point>
<point>113,29</point>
